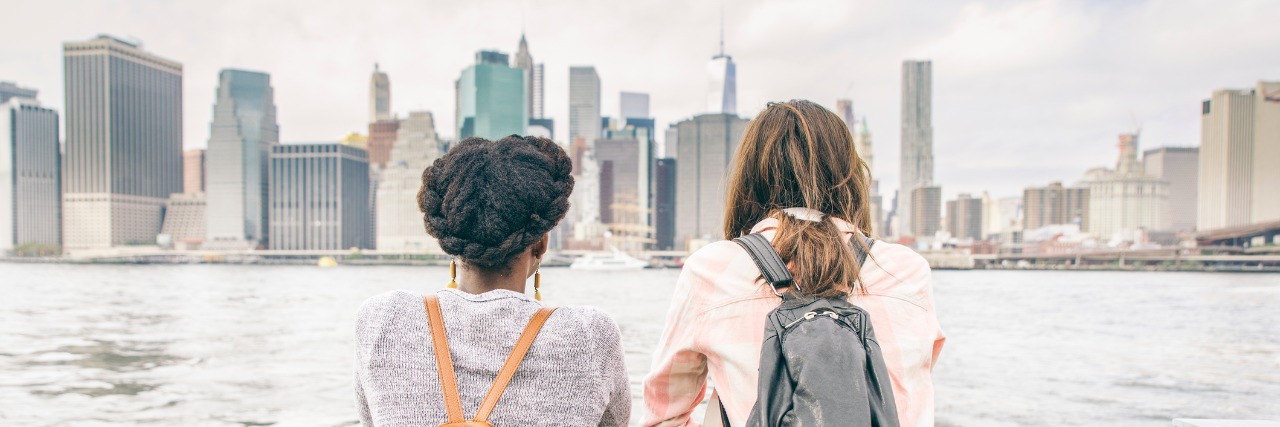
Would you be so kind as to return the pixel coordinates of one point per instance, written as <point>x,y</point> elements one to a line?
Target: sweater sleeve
<point>617,412</point>
<point>677,381</point>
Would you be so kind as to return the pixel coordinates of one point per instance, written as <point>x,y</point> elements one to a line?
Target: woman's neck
<point>476,281</point>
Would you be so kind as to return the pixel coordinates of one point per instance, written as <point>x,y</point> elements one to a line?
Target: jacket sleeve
<point>617,412</point>
<point>677,381</point>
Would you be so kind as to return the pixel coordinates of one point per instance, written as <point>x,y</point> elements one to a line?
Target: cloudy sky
<point>1025,92</point>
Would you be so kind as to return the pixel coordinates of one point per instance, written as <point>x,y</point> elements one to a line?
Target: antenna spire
<point>721,29</point>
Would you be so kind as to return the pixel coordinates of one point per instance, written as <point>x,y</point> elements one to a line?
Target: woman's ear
<point>539,247</point>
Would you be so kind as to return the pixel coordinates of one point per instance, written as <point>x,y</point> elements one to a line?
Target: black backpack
<point>820,364</point>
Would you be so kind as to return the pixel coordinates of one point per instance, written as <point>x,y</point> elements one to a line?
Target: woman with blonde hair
<point>798,181</point>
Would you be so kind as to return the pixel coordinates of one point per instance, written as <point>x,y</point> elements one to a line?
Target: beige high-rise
<point>1239,151</point>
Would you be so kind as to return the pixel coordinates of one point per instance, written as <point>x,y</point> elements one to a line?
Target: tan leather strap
<point>513,362</point>
<point>444,362</point>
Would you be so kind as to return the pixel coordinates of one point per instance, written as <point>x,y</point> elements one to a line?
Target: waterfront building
<point>708,143</point>
<point>123,153</point>
<point>965,217</point>
<point>379,96</point>
<point>12,90</point>
<point>664,204</point>
<point>1053,205</point>
<point>319,197</point>
<point>1239,148</point>
<point>926,211</point>
<point>1001,215</point>
<point>491,98</point>
<point>633,105</point>
<point>241,135</point>
<point>193,170</point>
<point>1127,203</point>
<point>1180,167</point>
<point>382,136</point>
<point>917,137</point>
<point>584,104</point>
<point>185,225</point>
<point>722,85</point>
<point>30,174</point>
<point>399,222</point>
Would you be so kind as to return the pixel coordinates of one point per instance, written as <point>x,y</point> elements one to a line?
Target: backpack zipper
<point>810,315</point>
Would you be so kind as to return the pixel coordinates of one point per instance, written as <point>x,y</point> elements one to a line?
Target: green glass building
<point>491,98</point>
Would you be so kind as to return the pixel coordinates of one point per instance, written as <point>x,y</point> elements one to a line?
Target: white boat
<point>608,261</point>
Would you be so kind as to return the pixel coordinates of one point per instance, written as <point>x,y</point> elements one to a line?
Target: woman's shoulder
<point>585,319</point>
<point>386,305</point>
<point>899,271</point>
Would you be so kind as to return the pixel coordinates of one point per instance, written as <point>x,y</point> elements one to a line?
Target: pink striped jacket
<point>715,327</point>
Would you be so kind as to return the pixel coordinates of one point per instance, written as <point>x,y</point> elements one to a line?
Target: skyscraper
<point>722,93</point>
<point>240,139</point>
<point>633,105</point>
<point>382,136</point>
<point>524,61</point>
<point>1239,151</point>
<point>584,104</point>
<point>917,137</point>
<point>862,142</point>
<point>708,143</point>
<point>319,197</point>
<point>539,92</point>
<point>964,217</point>
<point>664,204</point>
<point>193,172</point>
<point>379,96</point>
<point>30,174</point>
<point>123,155</point>
<point>399,223</point>
<point>926,211</point>
<point>1180,167</point>
<point>491,98</point>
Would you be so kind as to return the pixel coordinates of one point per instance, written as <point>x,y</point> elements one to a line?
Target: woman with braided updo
<point>459,356</point>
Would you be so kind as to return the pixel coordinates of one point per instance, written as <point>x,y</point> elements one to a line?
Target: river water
<point>207,345</point>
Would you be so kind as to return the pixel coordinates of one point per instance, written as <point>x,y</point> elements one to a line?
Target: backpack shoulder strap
<point>444,362</point>
<point>513,362</point>
<point>767,259</point>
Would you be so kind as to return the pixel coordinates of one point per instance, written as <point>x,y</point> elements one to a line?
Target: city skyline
<point>1035,90</point>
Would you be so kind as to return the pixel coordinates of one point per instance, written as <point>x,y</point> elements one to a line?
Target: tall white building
<point>240,139</point>
<point>30,174</point>
<point>1180,167</point>
<point>722,82</point>
<point>123,153</point>
<point>917,137</point>
<point>584,104</point>
<point>379,96</point>
<point>1128,201</point>
<point>399,222</point>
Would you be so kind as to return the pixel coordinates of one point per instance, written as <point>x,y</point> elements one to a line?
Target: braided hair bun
<point>488,201</point>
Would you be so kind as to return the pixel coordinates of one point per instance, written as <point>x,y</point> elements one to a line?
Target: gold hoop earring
<point>453,274</point>
<point>537,284</point>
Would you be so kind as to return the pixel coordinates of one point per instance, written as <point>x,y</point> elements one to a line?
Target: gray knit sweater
<point>573,374</point>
